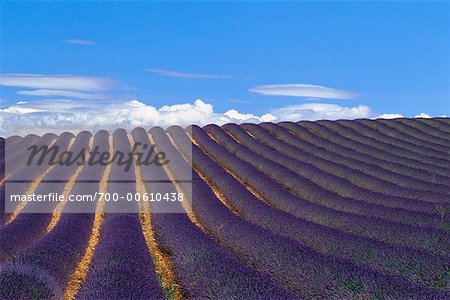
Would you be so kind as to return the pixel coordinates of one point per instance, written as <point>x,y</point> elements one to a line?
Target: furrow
<point>262,179</point>
<point>336,150</point>
<point>32,175</point>
<point>426,128</point>
<point>437,123</point>
<point>57,252</point>
<point>388,133</point>
<point>66,192</point>
<point>400,154</point>
<point>385,159</point>
<point>308,166</point>
<point>78,276</point>
<point>328,241</point>
<point>204,268</point>
<point>121,266</point>
<point>162,261</point>
<point>296,269</point>
<point>36,215</point>
<point>404,131</point>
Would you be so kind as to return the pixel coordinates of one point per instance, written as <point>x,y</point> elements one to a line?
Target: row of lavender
<point>350,146</point>
<point>344,213</point>
<point>391,152</point>
<point>39,264</point>
<point>122,266</point>
<point>325,240</point>
<point>318,255</point>
<point>256,192</point>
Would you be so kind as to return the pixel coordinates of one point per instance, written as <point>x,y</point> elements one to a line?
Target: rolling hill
<point>310,210</point>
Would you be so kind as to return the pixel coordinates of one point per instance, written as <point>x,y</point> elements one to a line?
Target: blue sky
<point>392,57</point>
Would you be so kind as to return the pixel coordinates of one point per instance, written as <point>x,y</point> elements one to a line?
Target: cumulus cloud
<point>18,110</point>
<point>319,111</point>
<point>79,42</point>
<point>173,73</point>
<point>57,82</point>
<point>422,115</point>
<point>62,93</point>
<point>61,115</point>
<point>240,118</point>
<point>302,90</point>
<point>396,116</point>
<point>389,116</point>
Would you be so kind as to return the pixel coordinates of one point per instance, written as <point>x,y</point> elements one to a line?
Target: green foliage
<point>355,286</point>
<point>441,280</point>
<point>170,292</point>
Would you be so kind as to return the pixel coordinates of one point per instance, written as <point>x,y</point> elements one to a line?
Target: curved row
<point>301,270</point>
<point>326,240</point>
<point>204,269</point>
<point>358,173</point>
<point>23,179</point>
<point>389,134</point>
<point>31,223</point>
<point>400,154</point>
<point>121,266</point>
<point>343,150</point>
<point>289,211</point>
<point>351,139</point>
<point>58,252</point>
<point>437,123</point>
<point>301,162</point>
<point>425,128</point>
<point>263,175</point>
<point>405,132</point>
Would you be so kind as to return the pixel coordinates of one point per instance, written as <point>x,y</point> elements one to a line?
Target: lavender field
<point>310,210</point>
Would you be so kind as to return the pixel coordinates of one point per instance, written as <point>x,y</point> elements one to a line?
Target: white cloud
<point>235,115</point>
<point>79,42</point>
<point>62,93</point>
<point>422,115</point>
<point>319,111</point>
<point>172,73</point>
<point>396,116</point>
<point>302,90</point>
<point>61,115</point>
<point>57,82</point>
<point>389,116</point>
<point>18,110</point>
